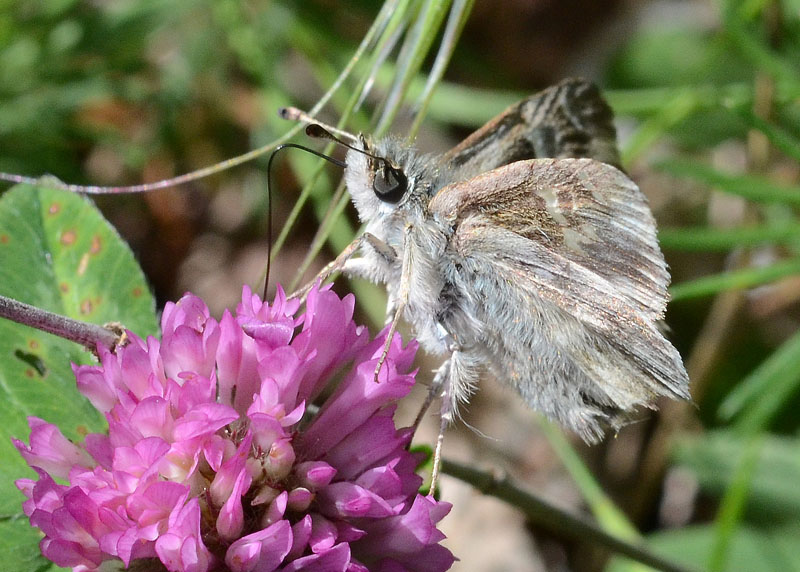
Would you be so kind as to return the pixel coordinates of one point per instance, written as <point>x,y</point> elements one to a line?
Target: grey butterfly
<point>526,252</point>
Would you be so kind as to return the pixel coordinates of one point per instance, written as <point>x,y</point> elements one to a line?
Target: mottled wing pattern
<point>581,210</point>
<point>564,252</point>
<point>570,119</point>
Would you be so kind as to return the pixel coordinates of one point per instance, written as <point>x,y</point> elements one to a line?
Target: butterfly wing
<point>570,119</point>
<point>566,278</point>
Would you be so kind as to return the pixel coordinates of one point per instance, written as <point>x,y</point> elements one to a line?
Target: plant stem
<point>84,333</point>
<point>556,520</point>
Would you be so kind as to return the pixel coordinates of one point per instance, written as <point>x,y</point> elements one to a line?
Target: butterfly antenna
<point>333,160</point>
<point>319,132</point>
<point>294,114</point>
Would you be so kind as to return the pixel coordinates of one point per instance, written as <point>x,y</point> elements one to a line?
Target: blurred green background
<point>707,95</point>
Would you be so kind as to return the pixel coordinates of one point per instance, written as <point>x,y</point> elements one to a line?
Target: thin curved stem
<point>553,518</point>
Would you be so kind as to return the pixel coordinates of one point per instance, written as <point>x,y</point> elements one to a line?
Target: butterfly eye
<point>390,184</point>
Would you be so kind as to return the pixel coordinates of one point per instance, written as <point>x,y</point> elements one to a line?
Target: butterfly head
<point>389,182</point>
<point>386,177</point>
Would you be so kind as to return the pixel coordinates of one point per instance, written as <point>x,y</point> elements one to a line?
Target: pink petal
<point>181,548</point>
<point>334,560</point>
<point>155,502</point>
<point>276,509</point>
<point>261,551</point>
<point>231,518</point>
<point>277,464</point>
<point>355,400</point>
<point>301,534</point>
<point>348,500</point>
<point>382,481</point>
<point>375,439</point>
<point>300,499</point>
<point>410,538</point>
<point>284,367</point>
<point>93,383</point>
<point>189,349</point>
<point>141,457</point>
<point>224,482</point>
<point>236,365</point>
<point>203,420</point>
<point>134,366</point>
<point>50,450</point>
<point>323,534</point>
<point>273,334</point>
<point>99,447</point>
<point>151,418</point>
<point>314,474</point>
<point>214,450</point>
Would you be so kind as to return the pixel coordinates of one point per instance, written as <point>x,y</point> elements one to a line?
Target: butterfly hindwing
<point>570,119</point>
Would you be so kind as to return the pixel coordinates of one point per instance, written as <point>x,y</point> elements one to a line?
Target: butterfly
<point>524,251</point>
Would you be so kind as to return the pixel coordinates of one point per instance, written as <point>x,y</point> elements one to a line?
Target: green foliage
<point>59,254</point>
<point>763,475</point>
<point>751,549</point>
<point>731,86</point>
<point>774,498</point>
<point>19,545</point>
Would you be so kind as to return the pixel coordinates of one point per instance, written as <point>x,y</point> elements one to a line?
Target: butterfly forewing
<point>585,211</point>
<point>568,282</point>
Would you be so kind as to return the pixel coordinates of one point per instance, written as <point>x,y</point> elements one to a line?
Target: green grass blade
<point>552,518</point>
<point>386,44</point>
<point>713,457</point>
<point>718,239</point>
<point>762,394</point>
<point>735,279</point>
<point>610,518</point>
<point>412,55</point>
<point>650,100</point>
<point>754,49</point>
<point>378,27</point>
<point>415,56</point>
<point>335,206</point>
<point>729,516</point>
<point>681,106</point>
<point>455,24</point>
<point>778,136</point>
<point>751,187</point>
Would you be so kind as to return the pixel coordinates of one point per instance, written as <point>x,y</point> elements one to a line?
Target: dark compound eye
<point>390,184</point>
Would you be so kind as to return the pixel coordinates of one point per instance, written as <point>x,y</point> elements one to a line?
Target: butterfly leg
<point>441,376</point>
<point>401,300</point>
<point>345,260</point>
<point>453,382</point>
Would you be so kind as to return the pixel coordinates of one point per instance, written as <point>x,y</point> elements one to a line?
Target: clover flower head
<point>217,457</point>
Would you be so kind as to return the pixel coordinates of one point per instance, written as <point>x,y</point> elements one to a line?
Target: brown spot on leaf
<point>33,344</point>
<point>97,245</point>
<point>136,292</point>
<point>68,237</point>
<point>54,209</point>
<point>29,373</point>
<point>86,307</point>
<point>83,264</point>
<point>4,239</point>
<point>64,287</point>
